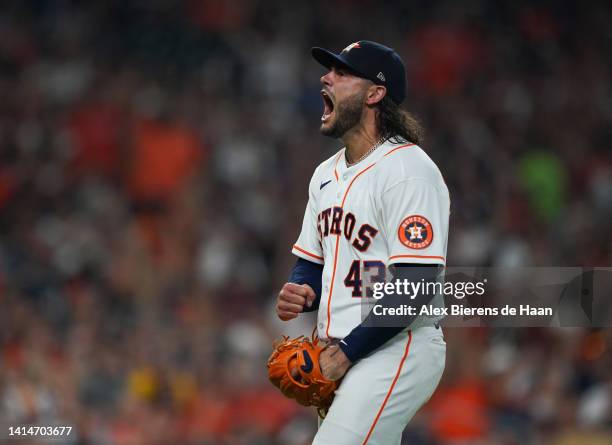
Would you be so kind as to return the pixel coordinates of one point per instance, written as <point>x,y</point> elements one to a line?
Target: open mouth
<point>328,106</point>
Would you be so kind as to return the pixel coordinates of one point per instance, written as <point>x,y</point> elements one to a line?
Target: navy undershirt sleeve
<point>307,272</point>
<point>365,338</point>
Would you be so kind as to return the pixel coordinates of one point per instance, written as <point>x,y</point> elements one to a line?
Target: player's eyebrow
<point>343,69</point>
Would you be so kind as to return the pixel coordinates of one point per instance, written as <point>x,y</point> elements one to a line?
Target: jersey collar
<point>342,169</point>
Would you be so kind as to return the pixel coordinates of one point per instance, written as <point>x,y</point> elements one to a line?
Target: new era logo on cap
<point>381,76</point>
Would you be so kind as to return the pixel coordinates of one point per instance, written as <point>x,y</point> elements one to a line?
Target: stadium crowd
<point>154,160</point>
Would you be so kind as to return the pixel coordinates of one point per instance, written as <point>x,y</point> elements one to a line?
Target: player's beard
<point>348,114</point>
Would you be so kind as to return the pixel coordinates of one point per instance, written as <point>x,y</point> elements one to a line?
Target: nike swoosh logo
<point>323,184</point>
<point>307,366</point>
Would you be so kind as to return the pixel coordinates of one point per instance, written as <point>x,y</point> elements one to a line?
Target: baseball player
<point>378,206</point>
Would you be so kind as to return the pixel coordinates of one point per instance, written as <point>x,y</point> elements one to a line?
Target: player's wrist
<point>347,352</point>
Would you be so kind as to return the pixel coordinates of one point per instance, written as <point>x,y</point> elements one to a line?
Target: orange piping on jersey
<point>296,247</point>
<point>397,374</point>
<point>418,256</point>
<point>335,164</point>
<point>397,148</point>
<point>356,176</point>
<point>331,289</point>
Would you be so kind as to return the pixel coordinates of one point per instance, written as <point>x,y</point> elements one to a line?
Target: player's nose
<point>326,78</point>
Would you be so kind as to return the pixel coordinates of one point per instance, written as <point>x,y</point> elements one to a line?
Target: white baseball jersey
<point>392,207</point>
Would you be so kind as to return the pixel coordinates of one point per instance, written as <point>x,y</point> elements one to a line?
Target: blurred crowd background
<point>154,162</point>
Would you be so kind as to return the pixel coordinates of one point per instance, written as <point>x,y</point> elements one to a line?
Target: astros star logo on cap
<point>351,46</point>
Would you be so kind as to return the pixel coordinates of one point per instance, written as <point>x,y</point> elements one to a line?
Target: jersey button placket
<point>322,325</point>
<point>344,178</point>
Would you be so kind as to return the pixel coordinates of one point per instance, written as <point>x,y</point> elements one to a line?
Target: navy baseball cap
<point>370,60</point>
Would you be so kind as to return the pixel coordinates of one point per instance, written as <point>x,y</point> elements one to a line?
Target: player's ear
<point>375,94</point>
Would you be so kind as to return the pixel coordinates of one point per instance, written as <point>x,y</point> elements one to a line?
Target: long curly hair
<point>396,124</point>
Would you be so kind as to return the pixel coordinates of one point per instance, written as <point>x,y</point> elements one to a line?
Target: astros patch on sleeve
<point>416,214</point>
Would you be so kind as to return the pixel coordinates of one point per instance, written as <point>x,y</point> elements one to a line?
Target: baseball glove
<point>294,368</point>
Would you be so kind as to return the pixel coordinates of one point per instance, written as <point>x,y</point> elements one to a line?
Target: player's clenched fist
<point>292,298</point>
